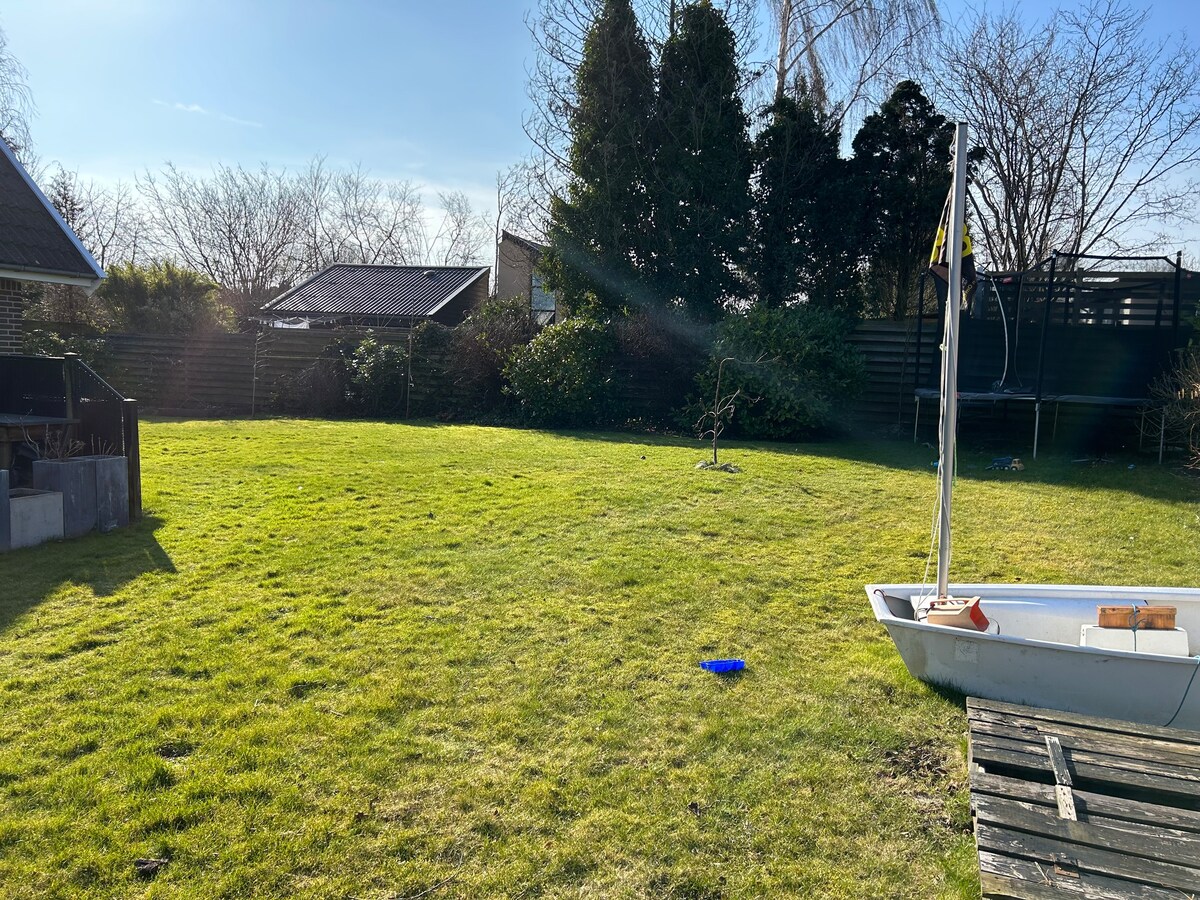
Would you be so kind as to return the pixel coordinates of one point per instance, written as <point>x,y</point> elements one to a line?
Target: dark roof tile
<point>32,238</point>
<point>363,290</point>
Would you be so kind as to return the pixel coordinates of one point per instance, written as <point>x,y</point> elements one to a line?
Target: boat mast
<point>954,247</point>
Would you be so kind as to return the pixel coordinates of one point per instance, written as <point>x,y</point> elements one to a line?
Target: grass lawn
<point>370,660</point>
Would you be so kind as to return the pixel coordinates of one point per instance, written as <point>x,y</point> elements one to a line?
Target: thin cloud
<point>200,110</point>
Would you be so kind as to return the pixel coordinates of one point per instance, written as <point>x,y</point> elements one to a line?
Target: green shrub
<point>321,389</point>
<point>794,367</point>
<point>377,378</point>
<point>483,343</point>
<point>658,355</point>
<point>159,298</point>
<point>1178,390</point>
<point>564,376</point>
<point>91,348</point>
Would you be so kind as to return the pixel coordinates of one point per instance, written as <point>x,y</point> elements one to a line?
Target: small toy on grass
<point>723,666</point>
<point>1007,464</point>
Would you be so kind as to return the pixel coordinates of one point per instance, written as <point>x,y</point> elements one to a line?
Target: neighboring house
<point>35,245</point>
<point>380,297</point>
<point>516,275</point>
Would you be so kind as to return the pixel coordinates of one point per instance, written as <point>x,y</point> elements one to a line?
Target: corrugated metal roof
<point>363,290</point>
<point>33,238</point>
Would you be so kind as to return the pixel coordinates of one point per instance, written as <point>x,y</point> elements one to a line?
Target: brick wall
<point>10,316</point>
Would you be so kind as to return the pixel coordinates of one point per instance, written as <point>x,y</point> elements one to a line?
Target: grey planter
<point>5,520</point>
<point>95,491</point>
<point>75,479</point>
<point>34,517</point>
<point>112,491</point>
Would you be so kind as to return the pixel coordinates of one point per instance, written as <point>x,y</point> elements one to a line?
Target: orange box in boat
<point>1150,617</point>
<point>957,614</point>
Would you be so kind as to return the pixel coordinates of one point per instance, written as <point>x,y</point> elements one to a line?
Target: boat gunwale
<point>886,617</point>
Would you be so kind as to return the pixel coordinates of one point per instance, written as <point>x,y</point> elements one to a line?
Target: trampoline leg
<point>1054,433</point>
<point>1162,434</point>
<point>916,420</point>
<point>1142,432</point>
<point>1037,423</point>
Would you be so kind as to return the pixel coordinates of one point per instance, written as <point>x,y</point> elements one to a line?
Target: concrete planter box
<point>5,515</point>
<point>75,479</point>
<point>95,491</point>
<point>112,491</point>
<point>34,517</point>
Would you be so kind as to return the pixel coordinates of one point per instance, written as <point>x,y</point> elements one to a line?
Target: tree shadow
<point>102,562</point>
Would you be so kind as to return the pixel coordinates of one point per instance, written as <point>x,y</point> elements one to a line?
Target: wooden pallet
<point>1070,806</point>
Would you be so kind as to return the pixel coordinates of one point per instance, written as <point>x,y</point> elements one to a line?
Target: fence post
<point>69,384</point>
<point>133,460</point>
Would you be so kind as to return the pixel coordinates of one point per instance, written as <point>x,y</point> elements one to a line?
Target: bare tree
<point>1087,131</point>
<point>256,232</point>
<point>350,217</point>
<point>16,102</point>
<point>108,220</point>
<point>846,49</point>
<point>461,235</point>
<point>239,227</point>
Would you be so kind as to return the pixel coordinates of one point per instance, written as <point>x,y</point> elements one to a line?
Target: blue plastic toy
<point>721,666</point>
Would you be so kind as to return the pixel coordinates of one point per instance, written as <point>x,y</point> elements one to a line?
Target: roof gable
<point>35,243</point>
<point>368,290</point>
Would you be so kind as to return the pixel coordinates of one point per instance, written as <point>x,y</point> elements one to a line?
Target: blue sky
<point>429,90</point>
<point>432,91</point>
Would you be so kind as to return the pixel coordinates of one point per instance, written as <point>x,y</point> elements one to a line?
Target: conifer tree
<point>598,228</point>
<point>702,167</point>
<point>804,245</point>
<point>902,168</point>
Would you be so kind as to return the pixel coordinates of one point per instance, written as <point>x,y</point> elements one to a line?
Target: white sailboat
<point>1038,645</point>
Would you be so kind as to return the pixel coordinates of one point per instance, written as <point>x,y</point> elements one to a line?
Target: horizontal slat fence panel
<point>889,351</point>
<point>240,373</point>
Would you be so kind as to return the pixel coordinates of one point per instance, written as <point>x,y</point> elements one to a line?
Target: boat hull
<point>1012,666</point>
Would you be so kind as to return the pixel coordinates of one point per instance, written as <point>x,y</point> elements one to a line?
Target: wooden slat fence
<point>237,374</point>
<point>889,350</point>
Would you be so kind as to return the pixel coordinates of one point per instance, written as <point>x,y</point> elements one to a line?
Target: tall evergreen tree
<point>598,229</point>
<point>902,167</point>
<point>805,241</point>
<point>702,168</point>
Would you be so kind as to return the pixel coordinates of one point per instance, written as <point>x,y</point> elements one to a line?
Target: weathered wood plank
<point>1062,775</point>
<point>1089,804</point>
<point>1177,752</point>
<point>1122,754</point>
<point>1020,879</point>
<point>1051,851</point>
<point>1150,842</point>
<point>1147,765</point>
<point>1094,723</point>
<point>1177,789</point>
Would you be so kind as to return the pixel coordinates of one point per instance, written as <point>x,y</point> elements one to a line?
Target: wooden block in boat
<point>957,614</point>
<point>1148,617</point>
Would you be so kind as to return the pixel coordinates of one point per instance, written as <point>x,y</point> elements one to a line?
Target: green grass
<point>369,660</point>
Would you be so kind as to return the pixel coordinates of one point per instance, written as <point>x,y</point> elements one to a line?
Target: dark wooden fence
<point>243,374</point>
<point>894,370</point>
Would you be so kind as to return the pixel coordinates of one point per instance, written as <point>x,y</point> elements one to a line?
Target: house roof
<point>532,246</point>
<point>35,243</point>
<point>386,291</point>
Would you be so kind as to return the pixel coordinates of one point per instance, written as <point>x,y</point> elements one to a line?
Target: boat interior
<point>1068,615</point>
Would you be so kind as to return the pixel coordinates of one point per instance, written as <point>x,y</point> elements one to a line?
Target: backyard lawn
<point>362,660</point>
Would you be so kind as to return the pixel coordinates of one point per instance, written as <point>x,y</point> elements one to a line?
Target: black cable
<point>1185,693</point>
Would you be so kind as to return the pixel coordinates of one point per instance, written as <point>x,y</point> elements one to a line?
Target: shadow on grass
<point>102,562</point>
